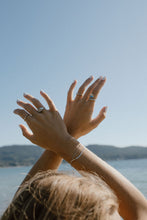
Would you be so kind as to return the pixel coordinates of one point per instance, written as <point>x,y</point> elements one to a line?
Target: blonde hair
<point>58,196</point>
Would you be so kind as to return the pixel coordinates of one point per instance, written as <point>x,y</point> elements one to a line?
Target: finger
<point>49,101</point>
<point>90,90</point>
<point>26,133</point>
<point>97,89</point>
<point>101,116</point>
<point>82,88</point>
<point>70,91</point>
<point>23,114</point>
<point>33,100</point>
<point>27,106</point>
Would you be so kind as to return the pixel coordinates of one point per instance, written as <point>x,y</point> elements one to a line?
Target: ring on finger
<point>92,100</point>
<point>91,97</point>
<point>40,109</point>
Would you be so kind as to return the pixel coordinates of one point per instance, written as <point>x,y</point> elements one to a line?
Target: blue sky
<point>48,44</point>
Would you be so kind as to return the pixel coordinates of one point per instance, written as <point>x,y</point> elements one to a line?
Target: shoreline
<point>64,162</point>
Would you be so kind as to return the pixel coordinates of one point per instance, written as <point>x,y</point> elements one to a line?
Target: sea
<point>11,177</point>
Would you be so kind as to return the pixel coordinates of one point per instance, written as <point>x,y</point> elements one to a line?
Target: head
<point>58,196</point>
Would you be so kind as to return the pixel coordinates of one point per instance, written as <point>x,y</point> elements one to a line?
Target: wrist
<point>69,146</point>
<point>74,134</point>
<point>54,155</point>
<point>69,129</point>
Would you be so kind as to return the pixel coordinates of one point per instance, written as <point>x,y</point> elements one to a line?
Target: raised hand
<point>78,113</point>
<point>47,126</point>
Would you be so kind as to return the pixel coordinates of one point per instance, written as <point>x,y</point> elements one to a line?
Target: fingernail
<point>104,78</point>
<point>18,100</point>
<point>20,127</point>
<point>25,94</point>
<point>91,77</point>
<point>42,91</point>
<point>100,78</point>
<point>106,108</point>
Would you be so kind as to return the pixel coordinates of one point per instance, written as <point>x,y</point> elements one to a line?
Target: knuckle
<point>35,101</point>
<point>82,102</point>
<point>81,89</point>
<point>19,110</point>
<point>28,105</point>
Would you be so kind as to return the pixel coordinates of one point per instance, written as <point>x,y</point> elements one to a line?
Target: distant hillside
<point>19,155</point>
<point>107,152</point>
<point>25,155</point>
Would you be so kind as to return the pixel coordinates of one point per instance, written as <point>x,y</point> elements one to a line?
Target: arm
<point>49,160</point>
<point>77,118</point>
<point>132,204</point>
<point>50,132</point>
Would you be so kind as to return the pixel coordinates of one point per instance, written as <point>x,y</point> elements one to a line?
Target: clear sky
<point>47,44</point>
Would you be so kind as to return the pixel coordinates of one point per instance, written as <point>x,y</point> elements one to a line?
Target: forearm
<point>48,160</point>
<point>131,201</point>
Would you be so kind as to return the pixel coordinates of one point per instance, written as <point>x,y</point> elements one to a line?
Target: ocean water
<point>10,178</point>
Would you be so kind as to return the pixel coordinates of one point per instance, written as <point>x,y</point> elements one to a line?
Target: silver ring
<point>91,97</point>
<point>40,109</point>
<point>92,100</point>
<point>25,117</point>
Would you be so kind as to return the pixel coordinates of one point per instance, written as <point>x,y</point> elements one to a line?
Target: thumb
<point>26,133</point>
<point>101,116</point>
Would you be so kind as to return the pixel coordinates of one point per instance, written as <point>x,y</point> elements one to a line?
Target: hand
<point>48,128</point>
<point>78,113</point>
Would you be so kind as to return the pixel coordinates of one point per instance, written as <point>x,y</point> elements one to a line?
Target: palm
<point>78,113</point>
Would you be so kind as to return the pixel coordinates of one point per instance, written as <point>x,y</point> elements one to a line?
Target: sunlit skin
<point>78,112</point>
<point>75,107</point>
<point>50,132</point>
